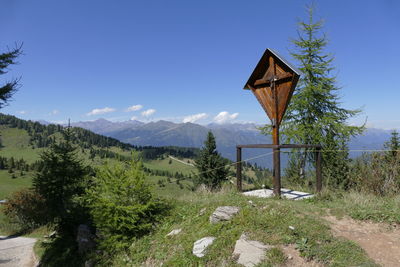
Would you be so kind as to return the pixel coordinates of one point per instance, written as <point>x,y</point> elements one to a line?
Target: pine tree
<point>60,181</point>
<point>393,145</point>
<point>315,115</point>
<point>10,87</point>
<point>210,165</point>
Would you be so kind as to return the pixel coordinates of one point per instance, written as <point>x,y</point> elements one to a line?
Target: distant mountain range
<point>165,133</point>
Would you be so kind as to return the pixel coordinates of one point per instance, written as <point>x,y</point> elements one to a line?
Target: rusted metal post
<point>318,156</point>
<point>239,168</point>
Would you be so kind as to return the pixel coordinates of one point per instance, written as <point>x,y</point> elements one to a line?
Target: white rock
<point>286,193</point>
<point>291,227</point>
<point>200,246</point>
<point>248,252</point>
<point>224,213</point>
<point>251,203</point>
<point>202,211</point>
<point>174,232</point>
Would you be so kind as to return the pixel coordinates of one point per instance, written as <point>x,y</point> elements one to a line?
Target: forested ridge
<point>42,136</point>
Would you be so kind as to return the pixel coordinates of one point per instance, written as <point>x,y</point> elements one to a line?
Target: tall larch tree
<point>315,114</point>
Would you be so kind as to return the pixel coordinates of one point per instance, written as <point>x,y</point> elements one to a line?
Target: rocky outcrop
<point>224,213</point>
<point>201,245</point>
<point>248,252</point>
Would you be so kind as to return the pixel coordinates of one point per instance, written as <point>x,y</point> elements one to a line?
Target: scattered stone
<point>201,245</point>
<point>174,232</point>
<point>51,235</point>
<point>202,211</point>
<point>248,252</point>
<point>85,239</point>
<point>251,203</point>
<point>224,213</point>
<point>286,193</point>
<point>291,228</point>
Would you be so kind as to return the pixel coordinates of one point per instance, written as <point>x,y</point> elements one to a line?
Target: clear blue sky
<point>182,58</point>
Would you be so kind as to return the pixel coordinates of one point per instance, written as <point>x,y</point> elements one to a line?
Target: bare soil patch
<point>380,241</point>
<point>294,259</point>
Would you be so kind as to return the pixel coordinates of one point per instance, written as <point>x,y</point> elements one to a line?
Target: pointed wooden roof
<point>273,69</point>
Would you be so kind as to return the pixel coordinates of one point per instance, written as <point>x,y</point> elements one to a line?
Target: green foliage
<point>62,251</point>
<point>9,88</point>
<point>393,145</point>
<point>376,173</point>
<point>210,165</point>
<point>360,205</point>
<point>122,205</point>
<point>61,181</point>
<point>262,178</point>
<point>26,208</point>
<point>314,115</point>
<point>276,257</point>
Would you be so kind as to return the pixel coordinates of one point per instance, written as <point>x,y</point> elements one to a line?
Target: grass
<point>360,206</point>
<point>275,257</point>
<point>9,185</point>
<point>171,188</point>
<point>267,222</point>
<point>174,166</point>
<point>15,143</point>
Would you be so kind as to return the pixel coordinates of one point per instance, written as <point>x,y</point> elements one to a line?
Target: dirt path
<point>17,251</point>
<point>379,242</point>
<point>181,161</point>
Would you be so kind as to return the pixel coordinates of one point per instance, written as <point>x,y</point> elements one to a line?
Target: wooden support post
<point>239,168</point>
<point>318,156</point>
<point>277,162</point>
<point>275,138</point>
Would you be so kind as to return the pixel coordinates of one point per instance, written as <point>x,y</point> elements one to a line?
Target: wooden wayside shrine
<point>273,82</point>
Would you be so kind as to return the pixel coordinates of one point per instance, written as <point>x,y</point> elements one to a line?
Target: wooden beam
<point>239,168</point>
<point>318,169</point>
<point>280,146</point>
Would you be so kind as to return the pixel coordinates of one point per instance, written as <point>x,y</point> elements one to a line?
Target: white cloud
<point>195,117</point>
<point>134,108</point>
<point>134,118</point>
<point>98,111</point>
<point>54,112</point>
<point>224,117</point>
<point>22,112</point>
<point>60,122</point>
<point>148,112</point>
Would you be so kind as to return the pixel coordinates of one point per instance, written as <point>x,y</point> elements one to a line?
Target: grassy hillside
<point>168,164</point>
<point>16,143</point>
<point>264,220</point>
<point>25,140</point>
<point>8,184</point>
